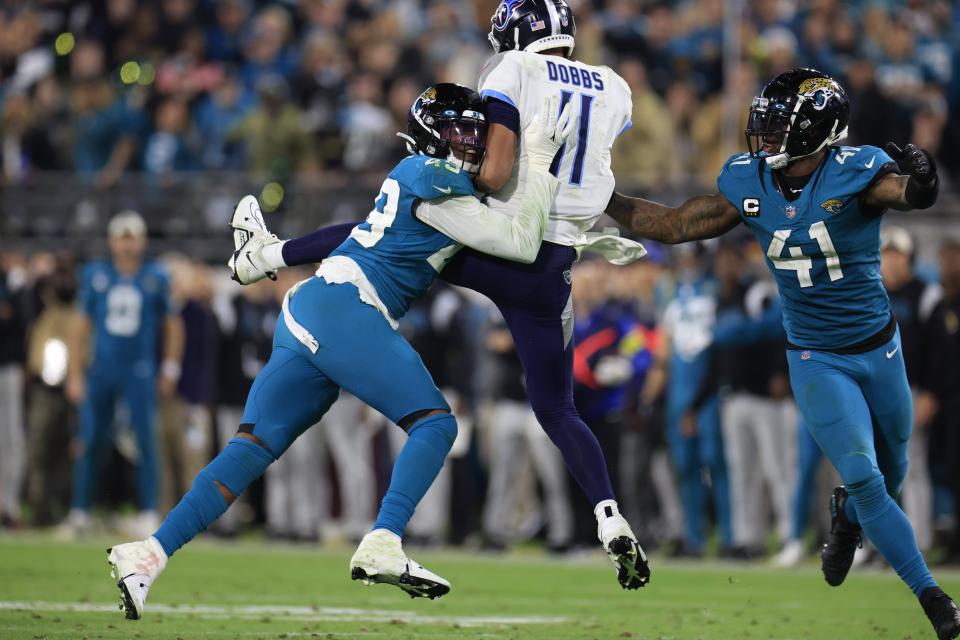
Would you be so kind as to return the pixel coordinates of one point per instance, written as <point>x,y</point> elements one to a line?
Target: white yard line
<point>300,614</point>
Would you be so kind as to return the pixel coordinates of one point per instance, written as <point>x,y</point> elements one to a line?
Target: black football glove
<point>916,162</point>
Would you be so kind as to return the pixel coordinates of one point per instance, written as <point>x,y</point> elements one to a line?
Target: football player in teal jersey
<point>338,330</point>
<point>815,208</point>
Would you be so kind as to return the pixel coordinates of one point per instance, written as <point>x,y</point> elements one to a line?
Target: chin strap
<point>411,143</point>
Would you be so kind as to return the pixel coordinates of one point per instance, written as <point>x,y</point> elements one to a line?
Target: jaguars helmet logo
<point>818,91</point>
<point>832,205</point>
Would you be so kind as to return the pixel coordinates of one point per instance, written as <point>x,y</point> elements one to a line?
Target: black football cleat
<point>942,612</point>
<point>842,541</point>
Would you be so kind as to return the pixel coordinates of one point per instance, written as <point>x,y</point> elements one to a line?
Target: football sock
<point>317,245</point>
<point>240,463</point>
<point>273,255</point>
<point>888,528</point>
<point>419,462</point>
<point>606,509</point>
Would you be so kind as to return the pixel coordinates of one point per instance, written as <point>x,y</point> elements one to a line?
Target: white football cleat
<point>792,554</point>
<point>250,237</point>
<point>135,565</point>
<point>380,560</point>
<point>624,552</point>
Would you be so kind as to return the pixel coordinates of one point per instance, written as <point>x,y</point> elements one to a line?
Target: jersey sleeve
<point>730,179</point>
<point>436,178</point>
<point>500,78</point>
<point>862,166</point>
<point>627,97</point>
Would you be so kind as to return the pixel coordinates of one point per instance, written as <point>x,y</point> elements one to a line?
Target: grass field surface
<point>250,590</point>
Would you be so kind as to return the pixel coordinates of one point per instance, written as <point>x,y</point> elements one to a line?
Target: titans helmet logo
<point>818,91</point>
<point>832,205</point>
<point>502,15</point>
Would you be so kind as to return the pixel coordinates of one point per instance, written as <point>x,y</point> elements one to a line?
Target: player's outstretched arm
<point>698,218</point>
<point>916,187</point>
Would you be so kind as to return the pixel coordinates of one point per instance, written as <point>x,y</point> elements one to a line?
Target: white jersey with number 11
<point>602,103</point>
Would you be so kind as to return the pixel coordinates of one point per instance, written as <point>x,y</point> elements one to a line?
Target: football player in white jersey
<point>534,42</point>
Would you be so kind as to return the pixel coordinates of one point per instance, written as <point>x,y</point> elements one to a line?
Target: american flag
<point>537,25</point>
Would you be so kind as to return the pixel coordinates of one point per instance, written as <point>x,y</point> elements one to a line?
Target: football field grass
<point>249,590</point>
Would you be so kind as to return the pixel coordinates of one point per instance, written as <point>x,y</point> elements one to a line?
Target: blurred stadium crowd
<point>679,358</point>
<point>306,87</point>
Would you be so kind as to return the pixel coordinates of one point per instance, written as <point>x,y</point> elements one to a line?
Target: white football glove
<point>548,132</point>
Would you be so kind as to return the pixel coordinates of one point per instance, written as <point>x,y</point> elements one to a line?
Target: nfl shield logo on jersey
<point>805,355</point>
<point>791,211</point>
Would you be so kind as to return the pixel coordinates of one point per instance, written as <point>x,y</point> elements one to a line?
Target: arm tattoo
<point>698,218</point>
<point>889,193</point>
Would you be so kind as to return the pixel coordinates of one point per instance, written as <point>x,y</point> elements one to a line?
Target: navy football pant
<point>533,299</point>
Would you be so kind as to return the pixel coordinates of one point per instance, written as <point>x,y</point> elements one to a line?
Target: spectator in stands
<point>167,150</point>
<point>278,143</point>
<point>225,36</point>
<point>216,115</point>
<point>648,147</point>
<point>268,51</point>
<point>105,132</point>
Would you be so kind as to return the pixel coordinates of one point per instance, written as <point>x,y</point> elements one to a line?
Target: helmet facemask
<point>449,128</point>
<point>780,132</point>
<point>466,139</point>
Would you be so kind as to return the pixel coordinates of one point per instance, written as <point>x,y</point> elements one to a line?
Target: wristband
<point>921,197</point>
<point>170,369</point>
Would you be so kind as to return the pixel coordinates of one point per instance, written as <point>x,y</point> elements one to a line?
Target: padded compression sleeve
<point>500,112</point>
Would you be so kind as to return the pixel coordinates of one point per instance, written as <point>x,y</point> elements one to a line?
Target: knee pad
<point>443,424</point>
<point>240,463</point>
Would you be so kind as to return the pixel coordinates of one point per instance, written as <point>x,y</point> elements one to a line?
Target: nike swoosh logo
<point>445,190</point>
<point>890,354</point>
<point>869,165</point>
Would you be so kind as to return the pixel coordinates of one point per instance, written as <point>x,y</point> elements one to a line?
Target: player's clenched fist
<point>916,162</point>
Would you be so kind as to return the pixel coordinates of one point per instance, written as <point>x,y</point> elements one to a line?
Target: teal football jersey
<point>823,248</point>
<point>127,312</point>
<point>398,254</point>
